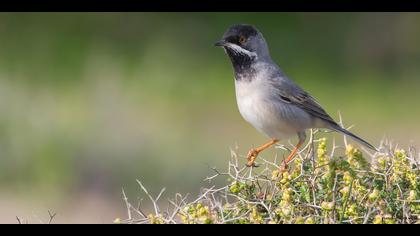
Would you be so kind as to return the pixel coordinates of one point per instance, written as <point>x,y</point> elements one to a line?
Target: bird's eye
<point>242,40</point>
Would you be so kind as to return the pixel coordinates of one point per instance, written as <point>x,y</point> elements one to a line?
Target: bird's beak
<point>220,43</point>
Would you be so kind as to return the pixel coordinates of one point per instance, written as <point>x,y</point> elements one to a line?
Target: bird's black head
<point>245,45</point>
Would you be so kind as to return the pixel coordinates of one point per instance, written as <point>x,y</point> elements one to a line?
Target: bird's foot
<point>252,155</point>
<point>283,166</point>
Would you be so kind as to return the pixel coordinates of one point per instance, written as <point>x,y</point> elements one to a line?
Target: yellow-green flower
<point>310,220</point>
<point>347,178</point>
<point>299,220</point>
<point>374,195</point>
<point>327,206</point>
<point>275,175</point>
<point>388,219</point>
<point>255,217</point>
<point>345,190</point>
<point>155,219</point>
<point>378,219</point>
<point>412,196</point>
<point>322,153</point>
<point>355,157</point>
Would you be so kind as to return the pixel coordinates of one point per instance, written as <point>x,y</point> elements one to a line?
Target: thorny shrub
<point>320,186</point>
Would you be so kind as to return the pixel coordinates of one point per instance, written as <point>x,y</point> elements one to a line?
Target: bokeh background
<point>90,102</point>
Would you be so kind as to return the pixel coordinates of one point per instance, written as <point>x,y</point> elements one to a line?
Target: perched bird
<point>267,98</point>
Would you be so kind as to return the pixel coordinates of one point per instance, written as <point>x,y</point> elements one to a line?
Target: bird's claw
<point>283,166</point>
<point>252,155</point>
<point>252,165</point>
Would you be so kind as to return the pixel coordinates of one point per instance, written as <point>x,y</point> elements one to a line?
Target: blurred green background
<point>90,102</point>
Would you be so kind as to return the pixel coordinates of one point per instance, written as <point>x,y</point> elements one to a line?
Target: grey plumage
<point>266,97</point>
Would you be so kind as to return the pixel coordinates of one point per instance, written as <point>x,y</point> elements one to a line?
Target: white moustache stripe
<point>240,50</point>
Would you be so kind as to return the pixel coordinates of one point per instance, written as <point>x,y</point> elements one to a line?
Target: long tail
<point>348,133</point>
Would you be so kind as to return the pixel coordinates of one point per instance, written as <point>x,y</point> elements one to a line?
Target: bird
<point>267,99</point>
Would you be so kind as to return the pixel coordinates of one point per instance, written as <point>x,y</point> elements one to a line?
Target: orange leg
<point>283,165</point>
<point>253,153</point>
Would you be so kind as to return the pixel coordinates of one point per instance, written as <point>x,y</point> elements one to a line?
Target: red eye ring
<point>242,40</point>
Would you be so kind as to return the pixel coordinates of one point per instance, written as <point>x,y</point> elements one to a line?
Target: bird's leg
<point>253,153</point>
<point>283,165</point>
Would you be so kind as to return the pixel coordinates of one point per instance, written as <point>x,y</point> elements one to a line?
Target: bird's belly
<point>265,115</point>
<point>264,119</point>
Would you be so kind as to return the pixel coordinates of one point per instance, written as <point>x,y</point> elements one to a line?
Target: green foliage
<point>317,188</point>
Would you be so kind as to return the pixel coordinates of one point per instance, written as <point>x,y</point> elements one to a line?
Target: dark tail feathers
<point>348,133</point>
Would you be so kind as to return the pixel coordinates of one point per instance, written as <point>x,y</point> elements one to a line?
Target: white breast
<point>269,117</point>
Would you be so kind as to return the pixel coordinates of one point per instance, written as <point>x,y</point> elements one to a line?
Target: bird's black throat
<point>242,65</point>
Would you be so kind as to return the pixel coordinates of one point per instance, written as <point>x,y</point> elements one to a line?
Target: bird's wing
<point>291,93</point>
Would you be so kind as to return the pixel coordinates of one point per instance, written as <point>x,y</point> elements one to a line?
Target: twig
<point>52,216</point>
<point>128,205</point>
<point>154,201</point>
